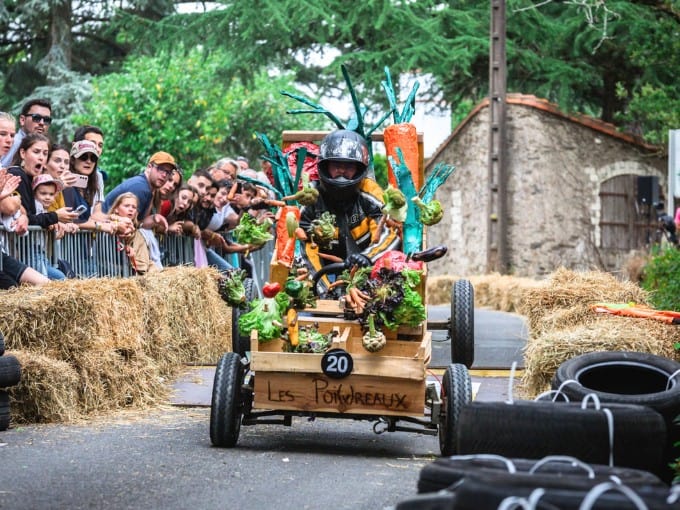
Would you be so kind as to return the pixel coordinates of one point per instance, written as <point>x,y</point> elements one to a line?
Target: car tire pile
<point>10,375</point>
<point>602,438</point>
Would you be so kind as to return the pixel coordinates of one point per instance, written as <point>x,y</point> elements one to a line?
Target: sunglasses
<point>166,171</point>
<point>36,117</point>
<point>88,156</point>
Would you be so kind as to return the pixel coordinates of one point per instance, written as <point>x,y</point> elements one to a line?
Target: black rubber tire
<point>2,344</point>
<point>536,429</point>
<point>4,410</point>
<point>486,492</point>
<point>226,409</point>
<point>462,328</point>
<point>624,378</point>
<point>456,392</point>
<point>240,343</point>
<point>445,471</point>
<point>10,371</point>
<point>436,501</point>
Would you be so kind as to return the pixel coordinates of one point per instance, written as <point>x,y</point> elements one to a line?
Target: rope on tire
<point>594,494</point>
<point>563,458</point>
<point>509,464</point>
<point>610,421</point>
<point>670,378</point>
<point>559,391</point>
<point>525,503</point>
<point>511,380</point>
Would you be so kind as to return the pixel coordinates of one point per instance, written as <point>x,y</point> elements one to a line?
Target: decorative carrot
<point>402,133</point>
<point>286,224</point>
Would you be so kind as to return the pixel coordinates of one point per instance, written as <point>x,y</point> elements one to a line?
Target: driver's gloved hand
<point>358,259</point>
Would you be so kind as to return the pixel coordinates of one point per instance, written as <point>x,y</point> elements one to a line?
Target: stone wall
<point>555,167</point>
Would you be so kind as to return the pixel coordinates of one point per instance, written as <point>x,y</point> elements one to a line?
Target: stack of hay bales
<point>100,344</point>
<point>562,325</point>
<point>499,292</point>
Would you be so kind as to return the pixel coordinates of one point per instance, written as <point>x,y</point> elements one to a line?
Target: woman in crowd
<point>13,272</point>
<point>29,161</point>
<point>90,194</point>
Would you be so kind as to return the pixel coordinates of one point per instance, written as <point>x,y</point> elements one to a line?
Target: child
<point>135,244</point>
<point>45,190</point>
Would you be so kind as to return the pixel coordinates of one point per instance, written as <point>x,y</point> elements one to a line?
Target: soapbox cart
<point>259,383</point>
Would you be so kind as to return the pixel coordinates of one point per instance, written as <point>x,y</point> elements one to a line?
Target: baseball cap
<point>83,147</point>
<point>163,158</point>
<point>47,179</point>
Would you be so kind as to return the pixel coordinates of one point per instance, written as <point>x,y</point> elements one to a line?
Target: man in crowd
<point>158,170</point>
<point>35,117</point>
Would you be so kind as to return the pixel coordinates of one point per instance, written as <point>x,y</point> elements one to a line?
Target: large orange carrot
<point>405,137</point>
<point>285,242</point>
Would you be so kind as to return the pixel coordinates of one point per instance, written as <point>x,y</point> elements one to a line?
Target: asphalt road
<point>163,458</point>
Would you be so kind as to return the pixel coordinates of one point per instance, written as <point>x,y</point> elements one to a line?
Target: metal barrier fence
<point>92,254</point>
<point>89,254</point>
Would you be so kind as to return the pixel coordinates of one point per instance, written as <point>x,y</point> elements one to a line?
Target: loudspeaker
<point>647,189</point>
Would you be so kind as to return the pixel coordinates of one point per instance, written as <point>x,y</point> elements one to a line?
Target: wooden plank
<point>354,394</point>
<point>364,364</point>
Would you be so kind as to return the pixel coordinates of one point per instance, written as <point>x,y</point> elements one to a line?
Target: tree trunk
<point>59,55</point>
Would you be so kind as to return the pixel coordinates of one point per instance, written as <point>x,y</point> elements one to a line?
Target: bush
<point>662,279</point>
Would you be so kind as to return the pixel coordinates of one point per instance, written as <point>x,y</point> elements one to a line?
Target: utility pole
<point>496,242</point>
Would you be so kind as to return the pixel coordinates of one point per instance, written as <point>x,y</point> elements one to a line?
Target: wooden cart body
<point>388,382</point>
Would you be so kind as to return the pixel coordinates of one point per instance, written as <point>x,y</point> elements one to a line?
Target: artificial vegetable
<point>293,327</point>
<point>430,213</point>
<point>265,316</point>
<point>390,296</point>
<point>305,196</point>
<point>394,260</point>
<point>310,341</point>
<point>299,288</point>
<point>286,224</point>
<point>271,289</point>
<point>402,134</point>
<point>322,229</point>
<point>293,287</point>
<point>373,340</point>
<point>248,231</point>
<point>231,288</point>
<point>395,204</point>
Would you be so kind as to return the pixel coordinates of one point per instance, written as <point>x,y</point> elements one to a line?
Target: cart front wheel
<point>226,409</point>
<point>462,328</point>
<point>455,393</point>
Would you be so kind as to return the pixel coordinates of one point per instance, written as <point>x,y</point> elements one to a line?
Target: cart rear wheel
<point>226,409</point>
<point>456,392</point>
<point>462,328</point>
<point>240,343</point>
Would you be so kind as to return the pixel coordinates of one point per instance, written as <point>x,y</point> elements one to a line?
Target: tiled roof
<point>547,106</point>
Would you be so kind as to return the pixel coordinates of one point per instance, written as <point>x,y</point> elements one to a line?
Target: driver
<point>354,199</point>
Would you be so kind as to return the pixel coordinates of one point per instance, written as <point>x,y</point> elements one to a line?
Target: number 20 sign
<point>337,363</point>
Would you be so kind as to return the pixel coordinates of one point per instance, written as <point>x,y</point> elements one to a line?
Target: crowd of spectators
<point>60,188</point>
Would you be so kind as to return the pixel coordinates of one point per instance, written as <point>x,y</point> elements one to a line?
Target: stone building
<point>573,192</point>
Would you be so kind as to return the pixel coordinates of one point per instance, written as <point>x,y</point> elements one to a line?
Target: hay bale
<point>186,320</point>
<point>569,289</point>
<point>47,392</point>
<point>504,293</point>
<point>66,318</point>
<point>115,379</point>
<point>546,351</point>
<point>439,289</point>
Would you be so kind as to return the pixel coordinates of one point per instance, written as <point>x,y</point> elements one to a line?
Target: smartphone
<point>80,209</point>
<point>81,181</point>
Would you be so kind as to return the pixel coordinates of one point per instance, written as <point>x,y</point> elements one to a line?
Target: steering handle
<point>333,268</point>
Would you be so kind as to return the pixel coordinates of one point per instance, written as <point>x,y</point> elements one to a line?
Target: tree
<point>558,51</point>
<point>181,103</point>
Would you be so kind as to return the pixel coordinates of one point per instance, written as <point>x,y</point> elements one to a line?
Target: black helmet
<point>342,145</point>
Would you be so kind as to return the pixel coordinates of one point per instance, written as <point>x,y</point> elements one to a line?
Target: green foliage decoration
<point>180,103</point>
